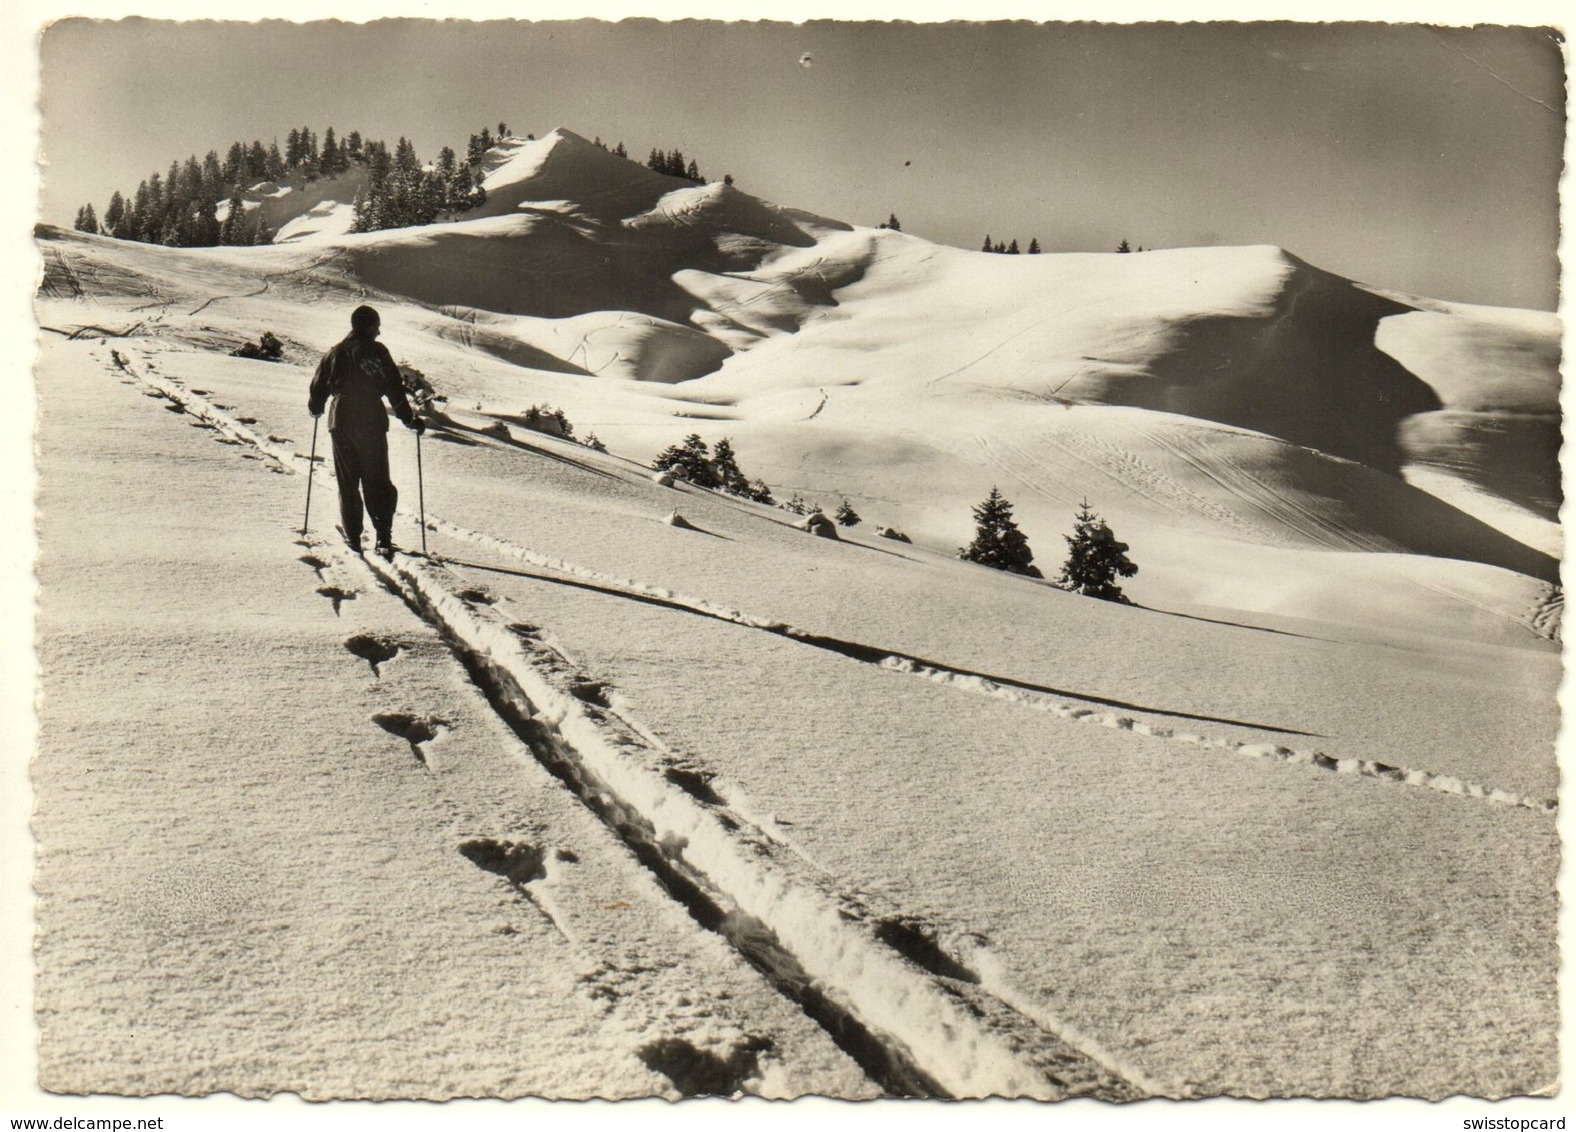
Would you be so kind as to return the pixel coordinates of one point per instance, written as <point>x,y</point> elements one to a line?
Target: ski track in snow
<point>985,686</point>
<point>932,1008</point>
<point>772,911</point>
<point>898,663</point>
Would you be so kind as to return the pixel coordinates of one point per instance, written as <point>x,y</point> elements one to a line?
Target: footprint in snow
<point>335,594</point>
<point>374,650</point>
<point>412,728</point>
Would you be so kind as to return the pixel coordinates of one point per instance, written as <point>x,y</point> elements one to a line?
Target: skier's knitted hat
<point>363,319</point>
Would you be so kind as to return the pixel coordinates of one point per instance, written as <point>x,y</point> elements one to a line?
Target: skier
<point>358,373</point>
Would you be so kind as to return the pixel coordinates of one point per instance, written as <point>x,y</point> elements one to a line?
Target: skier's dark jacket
<point>358,373</point>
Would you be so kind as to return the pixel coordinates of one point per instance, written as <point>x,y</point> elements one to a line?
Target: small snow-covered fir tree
<point>691,460</point>
<point>725,466</point>
<point>998,543</point>
<point>846,515</point>
<point>1094,559</point>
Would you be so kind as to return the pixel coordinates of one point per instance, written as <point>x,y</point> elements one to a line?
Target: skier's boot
<point>352,541</point>
<point>385,546</point>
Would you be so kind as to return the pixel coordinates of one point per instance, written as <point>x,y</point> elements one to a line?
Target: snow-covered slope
<point>1264,434</point>
<point>520,831</point>
<point>596,801</point>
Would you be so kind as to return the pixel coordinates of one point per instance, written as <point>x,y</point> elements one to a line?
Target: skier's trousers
<point>361,465</point>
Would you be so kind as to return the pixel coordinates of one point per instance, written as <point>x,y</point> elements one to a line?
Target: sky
<point>1415,158</point>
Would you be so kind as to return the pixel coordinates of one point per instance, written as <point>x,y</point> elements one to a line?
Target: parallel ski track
<point>981,685</point>
<point>898,662</point>
<point>952,1033</point>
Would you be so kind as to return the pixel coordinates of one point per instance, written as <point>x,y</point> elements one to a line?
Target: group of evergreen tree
<point>477,145</point>
<point>617,151</point>
<point>1124,247</point>
<point>401,192</point>
<point>180,207</point>
<point>672,164</point>
<point>1000,248</point>
<point>716,468</point>
<point>1095,559</point>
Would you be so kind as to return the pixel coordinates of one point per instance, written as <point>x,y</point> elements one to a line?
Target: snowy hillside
<point>609,805</point>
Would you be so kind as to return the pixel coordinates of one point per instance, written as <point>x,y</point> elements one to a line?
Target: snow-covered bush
<point>716,468</point>
<point>266,349</point>
<point>417,388</point>
<point>546,419</point>
<point>818,524</point>
<point>689,461</point>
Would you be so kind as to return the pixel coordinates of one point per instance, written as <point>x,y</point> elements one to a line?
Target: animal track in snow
<point>374,650</point>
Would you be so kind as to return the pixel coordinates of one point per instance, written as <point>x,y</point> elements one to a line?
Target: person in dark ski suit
<point>353,379</point>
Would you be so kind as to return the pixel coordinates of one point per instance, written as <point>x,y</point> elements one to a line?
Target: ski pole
<point>421,497</point>
<point>311,464</point>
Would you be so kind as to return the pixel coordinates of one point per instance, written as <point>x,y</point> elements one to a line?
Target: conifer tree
<point>329,163</point>
<point>115,214</point>
<point>213,181</point>
<point>230,231</point>
<point>1123,247</point>
<point>725,466</point>
<point>503,131</point>
<point>256,163</point>
<point>1012,248</point>
<point>691,460</point>
<point>1094,559</point>
<point>233,171</point>
<point>620,151</point>
<point>1034,245</point>
<point>846,515</point>
<point>989,247</point>
<point>692,172</point>
<point>86,221</point>
<point>1000,248</point>
<point>998,543</point>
